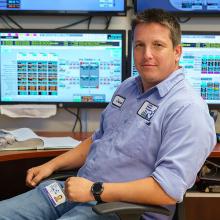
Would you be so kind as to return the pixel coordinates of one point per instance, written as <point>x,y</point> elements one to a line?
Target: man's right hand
<point>36,174</point>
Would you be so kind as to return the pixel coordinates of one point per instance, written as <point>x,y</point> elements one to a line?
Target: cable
<point>77,119</point>
<point>6,22</point>
<point>14,22</point>
<point>80,122</point>
<point>72,24</point>
<point>183,21</point>
<point>108,21</point>
<point>89,22</point>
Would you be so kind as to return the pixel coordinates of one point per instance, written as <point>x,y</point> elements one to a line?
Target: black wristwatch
<point>97,189</point>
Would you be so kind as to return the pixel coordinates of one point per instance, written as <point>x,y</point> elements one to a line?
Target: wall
<point>63,121</point>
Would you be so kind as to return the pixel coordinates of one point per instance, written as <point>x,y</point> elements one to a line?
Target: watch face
<point>97,188</point>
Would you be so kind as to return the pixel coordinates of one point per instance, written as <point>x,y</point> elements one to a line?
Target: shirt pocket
<point>112,118</point>
<point>132,137</point>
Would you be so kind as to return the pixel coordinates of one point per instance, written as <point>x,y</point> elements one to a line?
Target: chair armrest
<point>62,175</point>
<point>128,208</point>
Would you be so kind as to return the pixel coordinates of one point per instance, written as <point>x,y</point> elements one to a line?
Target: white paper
<point>23,134</point>
<point>59,142</point>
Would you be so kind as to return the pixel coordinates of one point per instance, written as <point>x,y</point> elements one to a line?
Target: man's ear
<point>178,52</point>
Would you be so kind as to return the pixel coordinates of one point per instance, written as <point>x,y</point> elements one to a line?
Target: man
<point>153,138</point>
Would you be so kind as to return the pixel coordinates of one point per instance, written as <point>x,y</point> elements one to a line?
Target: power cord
<point>183,20</point>
<point>14,22</point>
<point>77,119</point>
<point>108,21</point>
<point>6,22</point>
<point>74,23</point>
<point>89,22</point>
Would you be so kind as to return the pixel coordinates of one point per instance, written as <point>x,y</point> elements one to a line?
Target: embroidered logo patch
<point>118,101</point>
<point>147,111</point>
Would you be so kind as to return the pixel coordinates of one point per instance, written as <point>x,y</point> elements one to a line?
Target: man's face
<point>154,55</point>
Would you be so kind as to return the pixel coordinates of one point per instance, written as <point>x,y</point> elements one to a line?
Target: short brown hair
<point>162,17</point>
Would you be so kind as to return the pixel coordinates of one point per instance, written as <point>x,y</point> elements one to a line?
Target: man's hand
<point>78,189</point>
<point>36,174</point>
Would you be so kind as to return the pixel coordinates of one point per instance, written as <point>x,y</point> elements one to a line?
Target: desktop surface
<point>17,155</point>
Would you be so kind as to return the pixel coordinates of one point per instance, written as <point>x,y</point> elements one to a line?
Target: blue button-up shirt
<point>165,132</point>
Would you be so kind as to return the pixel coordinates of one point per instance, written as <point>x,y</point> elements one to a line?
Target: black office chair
<point>124,210</point>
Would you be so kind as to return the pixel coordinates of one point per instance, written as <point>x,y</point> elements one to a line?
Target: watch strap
<point>97,198</point>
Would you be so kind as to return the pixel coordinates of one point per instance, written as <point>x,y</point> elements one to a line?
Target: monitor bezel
<point>180,13</point>
<point>129,57</point>
<point>66,12</point>
<point>71,104</point>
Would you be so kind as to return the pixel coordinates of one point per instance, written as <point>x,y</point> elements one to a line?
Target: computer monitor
<point>80,68</point>
<point>181,7</point>
<point>201,61</point>
<point>63,7</point>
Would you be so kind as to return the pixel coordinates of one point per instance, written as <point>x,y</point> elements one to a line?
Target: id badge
<point>55,194</point>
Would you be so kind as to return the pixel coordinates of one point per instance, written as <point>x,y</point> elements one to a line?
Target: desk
<point>216,152</point>
<point>14,164</point>
<point>203,206</point>
<point>16,155</point>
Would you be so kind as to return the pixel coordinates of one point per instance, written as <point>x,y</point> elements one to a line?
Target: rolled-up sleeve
<point>188,138</point>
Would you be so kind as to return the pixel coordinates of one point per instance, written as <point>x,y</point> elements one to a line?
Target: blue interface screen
<point>195,6</point>
<point>66,5</point>
<point>60,67</point>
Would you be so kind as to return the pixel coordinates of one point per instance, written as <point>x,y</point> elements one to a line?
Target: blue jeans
<point>35,205</point>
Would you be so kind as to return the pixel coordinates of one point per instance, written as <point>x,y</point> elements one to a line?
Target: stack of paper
<point>26,139</point>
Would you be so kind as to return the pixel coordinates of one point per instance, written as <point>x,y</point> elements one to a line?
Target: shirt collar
<point>165,86</point>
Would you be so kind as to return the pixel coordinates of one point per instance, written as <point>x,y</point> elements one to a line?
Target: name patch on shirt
<point>147,111</point>
<point>118,101</point>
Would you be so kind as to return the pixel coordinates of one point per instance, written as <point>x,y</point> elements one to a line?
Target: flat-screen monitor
<point>201,61</point>
<point>64,7</point>
<point>181,7</point>
<point>80,68</point>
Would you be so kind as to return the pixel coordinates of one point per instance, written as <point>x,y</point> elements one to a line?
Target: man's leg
<point>33,205</point>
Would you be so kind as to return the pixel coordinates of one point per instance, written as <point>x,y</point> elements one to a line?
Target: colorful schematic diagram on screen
<point>201,61</point>
<point>210,90</point>
<point>60,67</point>
<point>37,74</point>
<point>89,74</point>
<point>210,64</point>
